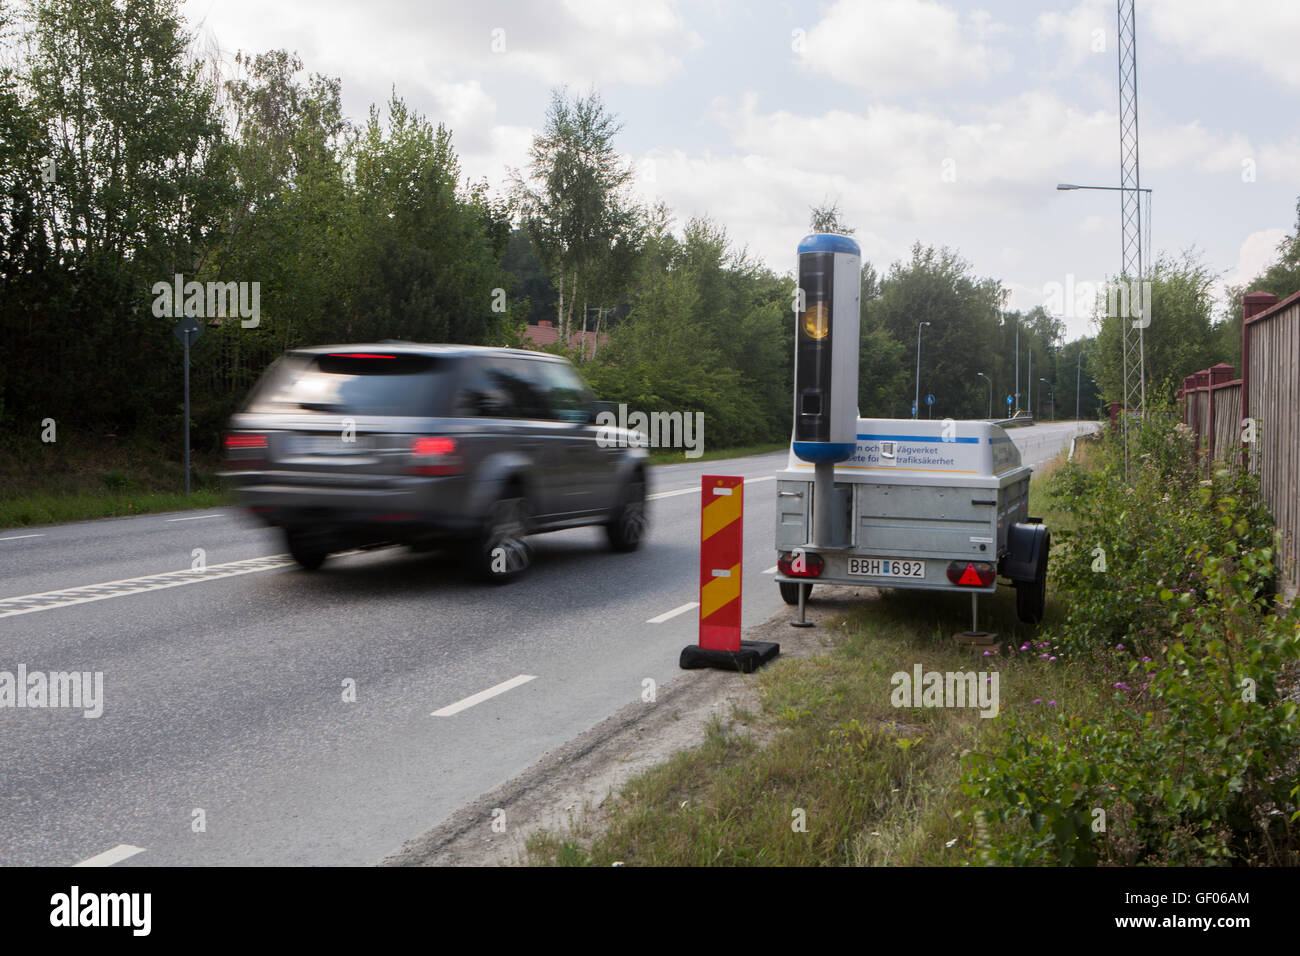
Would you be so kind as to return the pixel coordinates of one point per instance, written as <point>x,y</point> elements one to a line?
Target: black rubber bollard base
<point>751,656</point>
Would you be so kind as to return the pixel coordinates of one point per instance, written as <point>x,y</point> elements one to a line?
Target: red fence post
<point>1252,304</point>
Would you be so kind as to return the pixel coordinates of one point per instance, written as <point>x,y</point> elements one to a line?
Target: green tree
<point>1179,339</point>
<point>935,286</point>
<point>828,218</point>
<point>116,104</point>
<point>427,251</point>
<point>575,205</point>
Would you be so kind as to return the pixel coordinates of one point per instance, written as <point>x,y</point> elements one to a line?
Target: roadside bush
<point>1131,540</point>
<point>1186,752</point>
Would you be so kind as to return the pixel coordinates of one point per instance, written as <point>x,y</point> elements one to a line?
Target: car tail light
<point>247,448</point>
<point>435,456</point>
<point>971,574</point>
<point>800,564</point>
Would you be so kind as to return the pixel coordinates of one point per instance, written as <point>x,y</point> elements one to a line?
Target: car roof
<point>423,348</point>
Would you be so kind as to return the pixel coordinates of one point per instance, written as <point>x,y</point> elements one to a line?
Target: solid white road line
<point>16,537</point>
<point>195,518</point>
<point>119,853</point>
<point>673,613</point>
<point>771,570</point>
<point>483,695</point>
<point>696,490</point>
<point>671,494</point>
<point>46,600</point>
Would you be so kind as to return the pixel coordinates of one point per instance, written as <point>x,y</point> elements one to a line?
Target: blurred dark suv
<point>432,446</point>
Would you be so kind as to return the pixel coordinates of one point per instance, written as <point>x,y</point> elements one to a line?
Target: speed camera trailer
<point>923,505</point>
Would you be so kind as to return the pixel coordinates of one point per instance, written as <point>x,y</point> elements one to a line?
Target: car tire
<point>627,524</point>
<point>502,552</point>
<point>308,550</point>
<point>790,591</point>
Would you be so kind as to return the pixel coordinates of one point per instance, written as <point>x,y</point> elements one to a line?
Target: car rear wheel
<point>790,591</point>
<point>307,549</point>
<point>627,525</point>
<point>502,552</point>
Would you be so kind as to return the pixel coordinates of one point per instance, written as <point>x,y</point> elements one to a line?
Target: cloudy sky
<point>941,121</point>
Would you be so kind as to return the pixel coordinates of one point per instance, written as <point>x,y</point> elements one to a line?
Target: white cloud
<point>1082,30</point>
<point>1254,35</point>
<point>404,42</point>
<point>891,46</point>
<point>1258,251</point>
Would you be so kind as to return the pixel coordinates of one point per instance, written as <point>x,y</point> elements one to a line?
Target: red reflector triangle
<point>969,577</point>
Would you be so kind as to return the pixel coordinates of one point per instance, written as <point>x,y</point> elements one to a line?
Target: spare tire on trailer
<point>1025,564</point>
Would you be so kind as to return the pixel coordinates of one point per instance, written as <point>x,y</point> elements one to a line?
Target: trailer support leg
<point>975,638</point>
<point>802,622</point>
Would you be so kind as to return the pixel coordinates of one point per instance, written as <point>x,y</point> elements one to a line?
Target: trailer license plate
<point>887,567</point>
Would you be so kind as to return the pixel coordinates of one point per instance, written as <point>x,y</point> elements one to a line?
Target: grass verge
<point>74,480</point>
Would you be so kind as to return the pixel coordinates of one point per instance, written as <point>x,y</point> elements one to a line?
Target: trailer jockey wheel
<point>790,591</point>
<point>1031,596</point>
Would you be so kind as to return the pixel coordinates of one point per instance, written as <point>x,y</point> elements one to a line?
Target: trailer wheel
<point>1031,596</point>
<point>790,591</point>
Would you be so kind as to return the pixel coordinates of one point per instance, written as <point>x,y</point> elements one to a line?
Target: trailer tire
<point>1031,596</point>
<point>790,591</point>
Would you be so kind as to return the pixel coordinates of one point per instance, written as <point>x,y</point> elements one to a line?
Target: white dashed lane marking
<point>195,517</point>
<point>696,490</point>
<point>483,695</point>
<point>18,537</point>
<point>123,851</point>
<point>673,613</point>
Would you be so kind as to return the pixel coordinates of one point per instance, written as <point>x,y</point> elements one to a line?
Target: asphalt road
<point>225,736</point>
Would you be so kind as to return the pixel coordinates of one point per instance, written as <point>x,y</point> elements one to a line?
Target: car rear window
<point>362,383</point>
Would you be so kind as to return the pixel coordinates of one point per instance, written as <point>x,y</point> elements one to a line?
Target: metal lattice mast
<point>1130,180</point>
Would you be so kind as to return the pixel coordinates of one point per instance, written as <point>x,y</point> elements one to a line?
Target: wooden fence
<point>1254,420</point>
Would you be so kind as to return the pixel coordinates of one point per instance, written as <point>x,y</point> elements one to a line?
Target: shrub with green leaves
<point>1131,540</point>
<point>1189,757</point>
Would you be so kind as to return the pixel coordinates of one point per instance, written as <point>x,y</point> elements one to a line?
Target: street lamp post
<point>916,402</point>
<point>1078,369</point>
<point>990,381</point>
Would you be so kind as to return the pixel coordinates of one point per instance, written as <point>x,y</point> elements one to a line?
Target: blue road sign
<point>1008,399</point>
<point>929,399</point>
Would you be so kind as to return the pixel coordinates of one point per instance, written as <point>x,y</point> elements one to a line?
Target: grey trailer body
<point>916,505</point>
